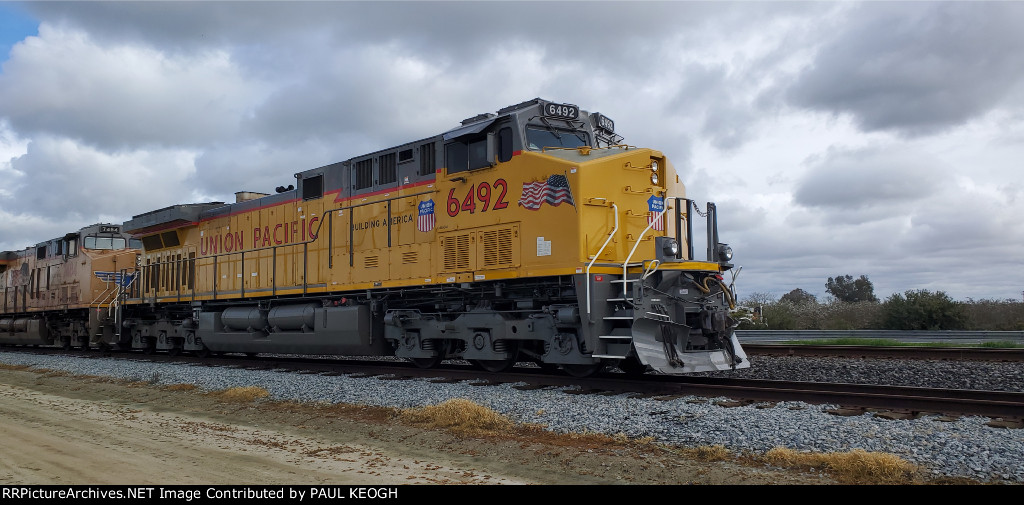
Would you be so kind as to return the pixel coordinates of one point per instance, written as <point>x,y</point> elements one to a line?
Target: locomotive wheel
<point>65,343</point>
<point>203,353</point>
<point>431,362</point>
<point>632,366</point>
<point>582,370</point>
<point>174,351</point>
<point>499,365</point>
<point>494,365</point>
<point>547,367</point>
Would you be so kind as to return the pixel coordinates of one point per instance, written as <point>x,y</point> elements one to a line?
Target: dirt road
<point>59,429</point>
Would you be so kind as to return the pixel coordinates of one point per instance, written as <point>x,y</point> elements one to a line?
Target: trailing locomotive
<point>532,234</point>
<point>66,291</point>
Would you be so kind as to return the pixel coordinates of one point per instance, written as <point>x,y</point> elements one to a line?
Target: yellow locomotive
<point>532,234</point>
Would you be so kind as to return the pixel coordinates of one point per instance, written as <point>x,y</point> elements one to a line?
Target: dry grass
<point>241,394</point>
<point>458,415</point>
<point>708,453</point>
<point>181,387</point>
<point>7,366</point>
<point>855,467</point>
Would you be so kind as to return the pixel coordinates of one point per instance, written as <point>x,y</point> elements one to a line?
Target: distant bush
<point>912,310</point>
<point>923,310</point>
<point>834,315</point>
<point>994,315</point>
<point>798,297</point>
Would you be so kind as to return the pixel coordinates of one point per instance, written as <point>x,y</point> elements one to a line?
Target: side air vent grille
<point>457,252</point>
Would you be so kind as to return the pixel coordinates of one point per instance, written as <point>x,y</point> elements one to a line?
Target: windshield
<point>538,137</point>
<point>94,242</point>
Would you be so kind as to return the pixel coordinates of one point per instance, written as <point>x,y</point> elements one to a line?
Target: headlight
<point>724,252</point>
<point>654,166</point>
<point>670,248</point>
<point>654,178</point>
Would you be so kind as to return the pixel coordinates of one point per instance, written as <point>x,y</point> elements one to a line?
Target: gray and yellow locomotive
<point>530,234</point>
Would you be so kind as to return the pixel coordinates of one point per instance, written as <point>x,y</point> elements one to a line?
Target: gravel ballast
<point>966,447</point>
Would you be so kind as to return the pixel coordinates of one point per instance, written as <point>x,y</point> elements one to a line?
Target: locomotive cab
<point>612,214</point>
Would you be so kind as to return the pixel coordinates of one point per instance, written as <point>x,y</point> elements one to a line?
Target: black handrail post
<point>712,239</point>
<point>689,228</point>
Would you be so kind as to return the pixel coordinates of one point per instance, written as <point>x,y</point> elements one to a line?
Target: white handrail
<point>615,212</point>
<point>120,290</point>
<point>98,300</point>
<point>625,264</point>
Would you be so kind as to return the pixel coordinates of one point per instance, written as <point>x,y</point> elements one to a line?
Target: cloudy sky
<point>883,139</point>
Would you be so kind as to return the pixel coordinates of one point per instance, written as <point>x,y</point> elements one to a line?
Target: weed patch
<point>458,415</point>
<point>854,467</point>
<point>241,394</point>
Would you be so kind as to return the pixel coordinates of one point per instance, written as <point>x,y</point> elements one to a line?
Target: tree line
<point>852,305</point>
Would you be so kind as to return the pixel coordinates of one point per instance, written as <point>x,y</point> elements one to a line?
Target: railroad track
<point>1005,408</point>
<point>899,352</point>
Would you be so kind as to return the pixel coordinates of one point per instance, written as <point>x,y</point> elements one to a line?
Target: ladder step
<point>620,317</point>
<point>616,337</point>
<point>606,356</point>
<point>621,299</point>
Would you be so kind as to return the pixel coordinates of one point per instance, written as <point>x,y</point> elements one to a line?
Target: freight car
<point>532,234</point>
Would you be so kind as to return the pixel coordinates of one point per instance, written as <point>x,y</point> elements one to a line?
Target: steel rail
<point>898,352</point>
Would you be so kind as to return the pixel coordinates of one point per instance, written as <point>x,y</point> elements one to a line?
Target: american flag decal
<point>554,191</point>
<point>655,207</point>
<point>425,221</point>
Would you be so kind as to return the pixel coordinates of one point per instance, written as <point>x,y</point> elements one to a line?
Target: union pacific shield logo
<point>425,220</point>
<point>655,207</point>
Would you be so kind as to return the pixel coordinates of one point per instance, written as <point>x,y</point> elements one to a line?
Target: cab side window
<point>469,153</point>
<point>505,144</point>
<point>456,155</point>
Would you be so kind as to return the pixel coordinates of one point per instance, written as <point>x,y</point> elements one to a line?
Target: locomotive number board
<point>561,110</point>
<point>605,122</point>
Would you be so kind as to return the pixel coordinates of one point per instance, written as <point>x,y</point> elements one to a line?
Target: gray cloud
<point>864,178</point>
<point>141,96</point>
<point>58,177</point>
<point>917,67</point>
